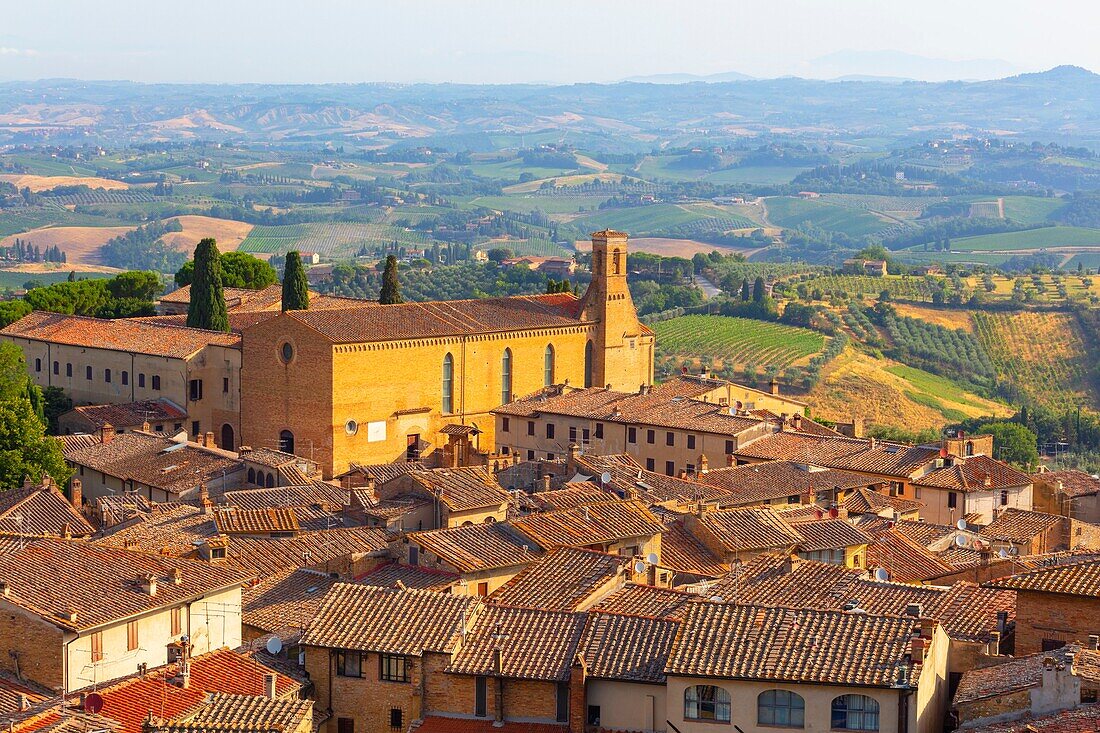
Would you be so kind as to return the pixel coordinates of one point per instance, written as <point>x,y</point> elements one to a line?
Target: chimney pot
<point>914,609</point>
<point>1094,642</point>
<point>106,433</point>
<point>994,646</point>
<point>76,493</point>
<point>269,685</point>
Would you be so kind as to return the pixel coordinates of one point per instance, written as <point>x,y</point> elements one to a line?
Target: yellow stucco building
<point>377,383</point>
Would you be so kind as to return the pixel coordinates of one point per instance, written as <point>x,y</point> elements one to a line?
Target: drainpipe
<point>903,710</point>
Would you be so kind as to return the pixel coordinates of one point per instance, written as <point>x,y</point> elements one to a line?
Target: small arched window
<point>854,712</point>
<point>781,708</point>
<point>448,384</point>
<point>270,481</point>
<point>506,377</point>
<point>251,475</point>
<point>707,702</point>
<point>548,366</point>
<point>286,441</point>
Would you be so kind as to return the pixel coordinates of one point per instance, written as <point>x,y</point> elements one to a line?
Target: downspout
<point>462,390</point>
<point>903,710</point>
<point>133,377</point>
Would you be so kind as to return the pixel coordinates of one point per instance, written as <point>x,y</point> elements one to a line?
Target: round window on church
<point>287,352</point>
<point>351,427</point>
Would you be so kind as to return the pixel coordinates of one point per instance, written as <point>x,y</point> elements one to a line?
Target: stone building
<point>377,383</point>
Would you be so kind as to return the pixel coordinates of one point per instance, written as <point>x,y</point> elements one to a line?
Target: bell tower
<point>620,352</point>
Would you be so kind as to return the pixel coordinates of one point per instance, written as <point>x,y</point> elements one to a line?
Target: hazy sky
<point>518,40</point>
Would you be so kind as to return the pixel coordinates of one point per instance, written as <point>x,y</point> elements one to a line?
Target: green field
<point>931,387</point>
<point>668,219</point>
<point>532,246</point>
<point>793,213</point>
<point>754,174</point>
<point>900,286</point>
<point>525,204</point>
<point>1031,239</point>
<point>15,280</point>
<point>1031,209</point>
<point>736,341</point>
<point>332,239</point>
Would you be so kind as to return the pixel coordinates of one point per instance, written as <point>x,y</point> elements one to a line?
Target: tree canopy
<point>239,270</point>
<point>295,286</point>
<point>25,449</point>
<point>391,286</point>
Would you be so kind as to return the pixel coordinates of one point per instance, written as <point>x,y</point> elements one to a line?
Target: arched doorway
<point>227,437</point>
<point>286,441</point>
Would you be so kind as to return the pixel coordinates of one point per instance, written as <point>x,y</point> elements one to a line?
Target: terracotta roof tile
<point>369,322</point>
<point>1075,579</point>
<point>265,555</point>
<point>849,454</point>
<point>243,713</point>
<point>231,520</point>
<point>175,530</point>
<point>590,525</point>
<point>628,648</point>
<point>646,600</point>
<point>536,644</point>
<point>868,501</point>
<point>117,335</point>
<point>628,477</point>
<point>750,528</point>
<point>130,414</point>
<point>905,560</point>
<point>829,534</point>
<point>479,546</point>
<point>1019,525</point>
<point>462,489</point>
<point>97,585</point>
<point>570,496</point>
<point>796,645</point>
<point>395,575</point>
<point>564,579</point>
<point>975,473</point>
<point>760,482</point>
<point>1085,719</point>
<point>288,598</point>
<point>1009,674</point>
<point>683,552</point>
<point>41,510</point>
<point>368,618</point>
<point>1074,483</point>
<point>440,724</point>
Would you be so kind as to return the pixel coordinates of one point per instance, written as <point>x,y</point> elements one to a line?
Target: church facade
<point>379,383</point>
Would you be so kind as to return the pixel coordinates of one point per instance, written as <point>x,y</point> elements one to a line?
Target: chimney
<point>1002,621</point>
<point>993,647</point>
<point>872,443</point>
<point>545,482</point>
<point>1094,642</point>
<point>185,664</point>
<point>774,384</point>
<point>5,589</point>
<point>210,441</point>
<point>914,609</point>
<point>24,703</point>
<point>66,531</point>
<point>730,460</point>
<point>269,686</point>
<point>177,577</point>
<point>204,494</point>
<point>796,421</point>
<point>207,506</point>
<point>76,493</point>
<point>106,433</point>
<point>146,427</point>
<point>704,465</point>
<point>916,649</point>
<point>149,584</point>
<point>571,464</point>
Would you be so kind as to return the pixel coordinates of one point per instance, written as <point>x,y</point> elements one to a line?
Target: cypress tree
<point>745,290</point>
<point>207,308</point>
<point>758,291</point>
<point>391,286</point>
<point>295,287</point>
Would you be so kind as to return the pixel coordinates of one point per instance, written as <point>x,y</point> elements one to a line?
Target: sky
<point>554,41</point>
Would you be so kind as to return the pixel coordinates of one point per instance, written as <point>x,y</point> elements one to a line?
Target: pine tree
<point>207,308</point>
<point>295,287</point>
<point>391,286</point>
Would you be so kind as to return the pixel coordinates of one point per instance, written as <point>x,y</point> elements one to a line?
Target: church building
<point>375,383</point>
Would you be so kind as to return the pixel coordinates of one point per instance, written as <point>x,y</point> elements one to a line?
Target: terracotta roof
<point>288,598</point>
<point>13,691</point>
<point>905,560</point>
<point>130,700</point>
<point>761,643</point>
<point>156,461</point>
<point>1009,674</point>
<point>243,713</point>
<point>658,408</point>
<point>564,579</point>
<point>268,297</point>
<point>537,644</point>
<point>1074,483</point>
<point>975,473</point>
<point>849,454</point>
<point>129,414</point>
<point>369,322</point>
<point>316,493</point>
<point>683,552</point>
<point>1019,525</point>
<point>231,520</point>
<point>590,525</point>
<point>40,510</point>
<point>76,441</point>
<point>1074,579</point>
<point>570,496</point>
<point>628,648</point>
<point>1085,719</point>
<point>387,620</point>
<point>396,575</point>
<point>117,335</point>
<point>462,489</point>
<point>440,724</point>
<point>94,586</point>
<point>646,600</point>
<point>750,528</point>
<point>175,530</point>
<point>479,546</point>
<point>759,482</point>
<point>383,472</point>
<point>627,476</point>
<point>265,555</point>
<point>867,501</point>
<point>239,321</point>
<point>829,534</point>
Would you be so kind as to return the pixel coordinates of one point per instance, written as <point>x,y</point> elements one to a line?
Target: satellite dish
<point>717,599</point>
<point>652,558</point>
<point>605,477</point>
<point>961,524</point>
<point>639,567</point>
<point>1002,553</point>
<point>881,574</point>
<point>274,645</point>
<point>93,703</point>
<point>960,541</point>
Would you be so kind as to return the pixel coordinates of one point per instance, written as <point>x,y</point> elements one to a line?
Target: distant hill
<point>689,78</point>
